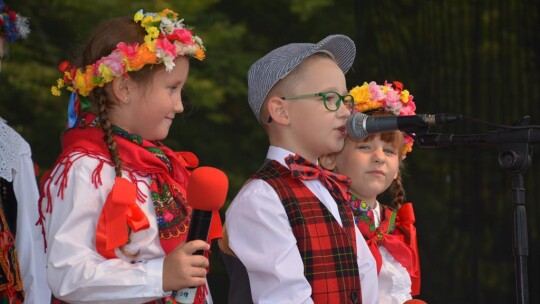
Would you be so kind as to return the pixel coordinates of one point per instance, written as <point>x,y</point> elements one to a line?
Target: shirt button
<point>354,297</point>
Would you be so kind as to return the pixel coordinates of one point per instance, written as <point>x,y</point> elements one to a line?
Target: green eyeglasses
<point>331,100</point>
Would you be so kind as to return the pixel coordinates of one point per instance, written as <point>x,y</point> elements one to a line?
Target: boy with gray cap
<point>290,224</point>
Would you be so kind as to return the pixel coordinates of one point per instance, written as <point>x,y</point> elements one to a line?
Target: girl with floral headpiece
<point>23,276</point>
<point>373,164</point>
<point>114,207</point>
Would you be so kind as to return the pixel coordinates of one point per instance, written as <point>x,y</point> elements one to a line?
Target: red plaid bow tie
<point>306,170</point>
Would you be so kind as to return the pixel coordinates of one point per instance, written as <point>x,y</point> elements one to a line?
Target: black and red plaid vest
<point>328,250</point>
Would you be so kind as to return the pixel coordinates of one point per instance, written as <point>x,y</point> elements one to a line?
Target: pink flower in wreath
<point>130,51</point>
<point>182,35</point>
<point>409,108</point>
<point>166,48</point>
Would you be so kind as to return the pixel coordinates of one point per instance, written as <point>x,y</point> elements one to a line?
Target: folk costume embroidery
<point>11,286</point>
<point>396,232</point>
<point>167,170</point>
<point>169,202</point>
<point>167,37</point>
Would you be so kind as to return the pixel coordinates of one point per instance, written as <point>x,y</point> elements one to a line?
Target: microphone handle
<point>199,226</point>
<point>436,119</point>
<point>390,123</point>
<point>198,230</point>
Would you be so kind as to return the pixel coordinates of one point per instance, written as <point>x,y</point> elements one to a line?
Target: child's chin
<point>334,149</point>
<point>158,137</point>
<point>339,145</point>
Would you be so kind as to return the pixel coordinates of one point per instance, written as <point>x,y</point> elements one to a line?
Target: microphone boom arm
<point>508,136</point>
<point>514,158</point>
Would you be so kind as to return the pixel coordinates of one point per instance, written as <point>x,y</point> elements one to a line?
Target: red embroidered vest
<point>327,249</point>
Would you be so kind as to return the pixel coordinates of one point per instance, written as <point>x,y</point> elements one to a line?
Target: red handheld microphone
<point>206,192</point>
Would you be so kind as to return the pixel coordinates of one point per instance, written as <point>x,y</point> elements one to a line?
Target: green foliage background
<point>472,57</point>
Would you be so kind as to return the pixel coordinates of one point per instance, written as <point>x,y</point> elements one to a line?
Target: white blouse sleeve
<point>261,236</point>
<point>76,272</point>
<point>29,240</point>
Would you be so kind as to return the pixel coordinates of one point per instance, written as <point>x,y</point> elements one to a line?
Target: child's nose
<point>178,106</point>
<point>344,111</point>
<point>378,155</point>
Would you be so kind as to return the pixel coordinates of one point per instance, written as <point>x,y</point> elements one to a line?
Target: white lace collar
<point>12,146</point>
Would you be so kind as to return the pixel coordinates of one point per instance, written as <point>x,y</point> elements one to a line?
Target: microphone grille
<point>207,189</point>
<point>355,126</point>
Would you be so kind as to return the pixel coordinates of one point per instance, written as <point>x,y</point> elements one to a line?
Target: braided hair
<point>101,43</point>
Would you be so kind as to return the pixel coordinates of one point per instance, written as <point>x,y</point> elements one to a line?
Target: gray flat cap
<point>277,64</point>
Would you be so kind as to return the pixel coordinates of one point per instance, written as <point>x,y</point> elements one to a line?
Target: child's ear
<point>328,161</point>
<point>277,110</point>
<point>120,89</point>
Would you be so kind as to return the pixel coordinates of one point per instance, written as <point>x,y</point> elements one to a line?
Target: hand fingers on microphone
<point>199,272</point>
<point>194,275</point>
<point>195,279</point>
<point>182,268</point>
<point>193,246</point>
<point>199,261</point>
<point>203,273</point>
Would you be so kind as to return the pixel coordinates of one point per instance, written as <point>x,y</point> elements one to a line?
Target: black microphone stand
<point>514,158</point>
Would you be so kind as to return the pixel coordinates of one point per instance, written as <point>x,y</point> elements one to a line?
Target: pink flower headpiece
<point>167,37</point>
<point>390,97</point>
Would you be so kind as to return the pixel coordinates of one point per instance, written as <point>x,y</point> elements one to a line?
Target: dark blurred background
<point>471,57</point>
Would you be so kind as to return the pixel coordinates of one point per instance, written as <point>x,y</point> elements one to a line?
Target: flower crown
<point>167,37</point>
<point>12,25</point>
<point>390,98</point>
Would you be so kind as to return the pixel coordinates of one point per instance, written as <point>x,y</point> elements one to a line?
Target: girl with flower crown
<point>114,207</point>
<point>23,276</point>
<point>373,165</point>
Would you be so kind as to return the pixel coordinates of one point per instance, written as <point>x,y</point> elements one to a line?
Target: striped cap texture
<point>277,64</point>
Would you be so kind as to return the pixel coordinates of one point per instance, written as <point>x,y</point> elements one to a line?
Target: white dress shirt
<point>394,280</point>
<point>77,273</point>
<point>16,166</point>
<point>262,238</point>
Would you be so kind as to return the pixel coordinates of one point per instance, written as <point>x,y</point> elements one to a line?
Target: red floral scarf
<point>139,158</point>
<point>168,172</point>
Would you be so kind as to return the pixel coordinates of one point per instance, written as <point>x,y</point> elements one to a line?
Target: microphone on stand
<point>360,125</point>
<point>206,192</point>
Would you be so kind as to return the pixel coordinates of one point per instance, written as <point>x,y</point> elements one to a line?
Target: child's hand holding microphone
<point>185,268</point>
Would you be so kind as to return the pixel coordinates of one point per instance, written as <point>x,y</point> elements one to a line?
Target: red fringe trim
<point>61,170</point>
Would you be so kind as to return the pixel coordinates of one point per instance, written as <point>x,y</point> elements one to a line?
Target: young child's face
<point>372,165</point>
<point>317,130</point>
<point>152,107</point>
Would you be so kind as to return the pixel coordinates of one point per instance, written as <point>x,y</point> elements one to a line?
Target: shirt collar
<point>279,154</point>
